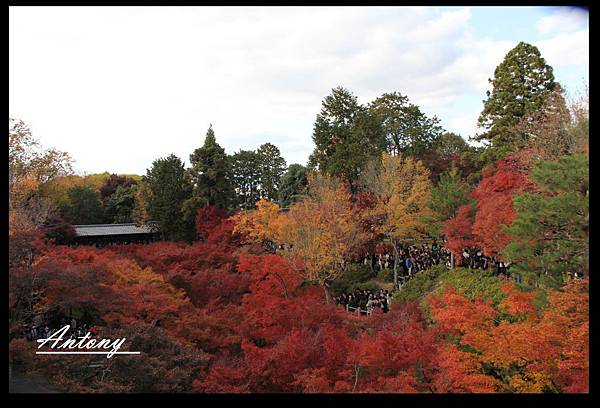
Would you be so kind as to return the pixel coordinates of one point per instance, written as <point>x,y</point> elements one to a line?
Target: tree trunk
<point>451,260</point>
<point>396,256</point>
<point>327,293</point>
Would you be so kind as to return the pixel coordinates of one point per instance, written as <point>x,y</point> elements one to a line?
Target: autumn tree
<point>514,346</point>
<point>207,219</point>
<point>447,151</point>
<point>403,190</point>
<point>259,225</point>
<point>29,167</point>
<point>321,231</point>
<point>458,231</point>
<point>494,194</point>
<point>140,213</point>
<point>521,84</point>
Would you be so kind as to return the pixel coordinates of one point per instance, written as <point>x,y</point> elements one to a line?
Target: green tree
<point>407,129</point>
<point>272,166</point>
<point>246,178</point>
<point>170,187</point>
<point>292,185</point>
<point>120,204</point>
<point>449,146</point>
<point>521,84</point>
<point>112,183</point>
<point>211,174</point>
<point>346,136</point>
<point>84,206</point>
<point>450,193</point>
<point>447,197</point>
<point>549,237</point>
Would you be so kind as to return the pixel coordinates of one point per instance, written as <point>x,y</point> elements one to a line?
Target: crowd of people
<point>39,331</point>
<point>364,301</point>
<point>473,258</point>
<point>413,259</point>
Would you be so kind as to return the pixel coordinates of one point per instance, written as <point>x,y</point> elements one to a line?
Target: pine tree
<point>292,185</point>
<point>272,166</point>
<point>170,187</point>
<point>84,206</point>
<point>447,197</point>
<point>521,84</point>
<point>246,171</point>
<point>407,129</point>
<point>211,174</point>
<point>549,237</point>
<point>346,136</point>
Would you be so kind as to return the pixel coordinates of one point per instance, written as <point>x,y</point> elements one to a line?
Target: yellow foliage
<point>403,190</point>
<point>321,231</point>
<point>260,224</point>
<point>129,273</point>
<point>140,212</point>
<point>530,382</point>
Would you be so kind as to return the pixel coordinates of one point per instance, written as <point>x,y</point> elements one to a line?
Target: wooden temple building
<point>106,234</point>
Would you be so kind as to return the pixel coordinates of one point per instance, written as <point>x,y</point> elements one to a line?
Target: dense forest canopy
<point>478,256</point>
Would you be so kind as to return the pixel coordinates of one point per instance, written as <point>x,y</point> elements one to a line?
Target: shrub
<point>421,284</point>
<point>475,283</point>
<point>368,285</point>
<point>386,275</point>
<point>354,275</point>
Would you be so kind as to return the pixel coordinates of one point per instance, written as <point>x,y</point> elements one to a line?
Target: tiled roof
<point>111,229</point>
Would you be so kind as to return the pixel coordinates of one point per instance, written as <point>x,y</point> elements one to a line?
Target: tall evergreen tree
<point>246,178</point>
<point>407,129</point>
<point>211,174</point>
<point>170,187</point>
<point>84,206</point>
<point>292,185</point>
<point>346,136</point>
<point>272,166</point>
<point>521,84</point>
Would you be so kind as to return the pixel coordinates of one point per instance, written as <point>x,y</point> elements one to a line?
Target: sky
<point>118,87</point>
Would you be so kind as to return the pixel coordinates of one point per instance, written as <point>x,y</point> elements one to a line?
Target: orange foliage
<point>531,353</point>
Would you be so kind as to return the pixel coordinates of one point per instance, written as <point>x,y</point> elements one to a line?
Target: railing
<point>359,310</point>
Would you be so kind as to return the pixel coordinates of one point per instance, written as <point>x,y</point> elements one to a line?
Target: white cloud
<point>120,87</point>
<point>566,20</point>
<point>567,49</point>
